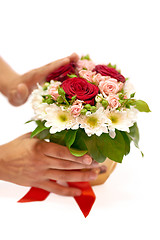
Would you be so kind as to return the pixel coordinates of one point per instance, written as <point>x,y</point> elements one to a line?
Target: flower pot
<point>102,177</point>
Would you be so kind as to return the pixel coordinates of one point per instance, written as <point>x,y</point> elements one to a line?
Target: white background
<point>125,32</point>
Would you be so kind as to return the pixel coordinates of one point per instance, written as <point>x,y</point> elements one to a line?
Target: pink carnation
<point>87,64</point>
<point>113,101</point>
<point>53,91</point>
<point>76,108</point>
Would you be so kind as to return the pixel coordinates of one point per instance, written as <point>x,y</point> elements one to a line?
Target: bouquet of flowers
<point>90,109</point>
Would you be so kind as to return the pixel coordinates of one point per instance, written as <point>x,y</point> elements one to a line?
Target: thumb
<point>19,95</point>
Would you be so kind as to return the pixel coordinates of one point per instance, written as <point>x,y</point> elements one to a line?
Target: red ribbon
<point>85,201</point>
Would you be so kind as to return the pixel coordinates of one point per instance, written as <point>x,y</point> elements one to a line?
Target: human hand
<point>33,162</point>
<point>22,85</point>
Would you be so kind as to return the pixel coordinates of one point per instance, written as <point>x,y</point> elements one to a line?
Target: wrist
<point>1,162</point>
<point>8,77</point>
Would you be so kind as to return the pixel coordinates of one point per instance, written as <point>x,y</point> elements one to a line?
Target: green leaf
<point>73,99</point>
<point>39,128</point>
<point>142,106</point>
<point>69,140</point>
<point>29,121</point>
<point>79,142</point>
<point>45,134</point>
<point>112,148</point>
<point>72,75</point>
<point>132,95</point>
<point>111,66</point>
<point>77,153</point>
<point>99,148</point>
<point>61,92</point>
<point>48,99</point>
<point>127,142</point>
<point>70,137</point>
<point>87,57</point>
<point>59,137</point>
<point>60,99</point>
<point>93,148</point>
<point>134,134</point>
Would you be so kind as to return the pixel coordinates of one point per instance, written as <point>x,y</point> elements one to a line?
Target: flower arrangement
<point>88,108</point>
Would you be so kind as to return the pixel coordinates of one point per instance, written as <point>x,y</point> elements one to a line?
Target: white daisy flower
<point>59,119</point>
<point>94,123</point>
<point>120,120</point>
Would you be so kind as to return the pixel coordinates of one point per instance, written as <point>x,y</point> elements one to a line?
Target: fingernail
<point>103,169</point>
<point>87,160</point>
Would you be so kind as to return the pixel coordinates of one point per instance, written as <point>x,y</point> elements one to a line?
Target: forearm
<point>2,162</point>
<point>7,75</point>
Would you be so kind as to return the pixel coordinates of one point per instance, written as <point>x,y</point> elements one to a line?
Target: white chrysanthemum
<point>37,105</point>
<point>94,123</point>
<point>128,88</point>
<point>40,111</point>
<point>132,114</point>
<point>120,120</point>
<point>59,119</point>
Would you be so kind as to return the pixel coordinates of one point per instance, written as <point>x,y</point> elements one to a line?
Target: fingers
<point>74,57</point>
<point>28,81</point>
<point>48,68</point>
<point>72,176</point>
<point>59,189</point>
<point>61,152</point>
<point>56,188</point>
<point>56,163</point>
<point>40,74</point>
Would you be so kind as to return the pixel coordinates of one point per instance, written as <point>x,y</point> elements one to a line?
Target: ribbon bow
<point>85,201</point>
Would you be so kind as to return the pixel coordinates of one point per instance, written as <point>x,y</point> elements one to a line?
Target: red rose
<point>81,88</point>
<point>108,71</point>
<point>61,73</point>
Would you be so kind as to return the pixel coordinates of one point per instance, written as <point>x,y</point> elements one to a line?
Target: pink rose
<point>108,86</point>
<point>76,108</point>
<point>87,75</point>
<point>113,101</point>
<point>87,64</point>
<point>98,78</point>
